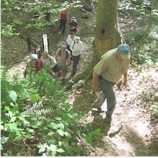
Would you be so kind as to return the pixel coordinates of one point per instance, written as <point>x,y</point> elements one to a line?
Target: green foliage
<point>35,108</point>
<point>34,111</point>
<point>15,10</point>
<point>143,48</point>
<point>142,44</point>
<point>141,8</point>
<point>137,36</point>
<point>8,31</point>
<point>93,136</point>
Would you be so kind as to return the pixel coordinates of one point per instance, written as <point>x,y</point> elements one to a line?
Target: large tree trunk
<point>106,35</point>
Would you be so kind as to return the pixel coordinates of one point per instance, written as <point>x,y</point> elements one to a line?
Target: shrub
<point>36,120</point>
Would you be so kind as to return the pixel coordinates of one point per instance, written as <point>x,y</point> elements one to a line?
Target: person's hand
<point>98,95</point>
<point>125,84</point>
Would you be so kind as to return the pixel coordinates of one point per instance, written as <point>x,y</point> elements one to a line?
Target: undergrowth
<point>36,120</point>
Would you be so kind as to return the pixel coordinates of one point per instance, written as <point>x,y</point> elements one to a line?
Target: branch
<point>86,144</point>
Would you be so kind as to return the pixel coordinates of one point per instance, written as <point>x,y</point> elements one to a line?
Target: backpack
<point>66,53</point>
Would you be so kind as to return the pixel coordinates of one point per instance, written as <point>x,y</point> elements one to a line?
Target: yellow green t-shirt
<point>110,67</point>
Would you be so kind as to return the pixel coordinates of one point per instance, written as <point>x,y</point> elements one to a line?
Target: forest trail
<point>138,135</point>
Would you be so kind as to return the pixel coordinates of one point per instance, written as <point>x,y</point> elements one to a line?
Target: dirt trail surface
<point>135,124</point>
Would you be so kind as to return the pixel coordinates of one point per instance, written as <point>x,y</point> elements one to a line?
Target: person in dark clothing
<point>106,73</point>
<point>63,19</point>
<point>36,16</point>
<point>73,25</point>
<point>47,15</point>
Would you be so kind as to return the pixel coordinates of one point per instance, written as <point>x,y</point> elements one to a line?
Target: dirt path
<point>139,133</point>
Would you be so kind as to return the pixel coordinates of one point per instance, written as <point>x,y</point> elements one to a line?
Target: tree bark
<point>106,35</point>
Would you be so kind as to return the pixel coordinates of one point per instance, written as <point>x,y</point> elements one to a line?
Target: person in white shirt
<point>70,39</point>
<point>77,49</point>
<point>50,63</point>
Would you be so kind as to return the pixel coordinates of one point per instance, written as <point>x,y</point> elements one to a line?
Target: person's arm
<point>69,58</point>
<point>125,79</point>
<point>67,40</point>
<point>51,73</point>
<point>57,54</point>
<point>72,46</point>
<point>95,82</point>
<point>96,85</point>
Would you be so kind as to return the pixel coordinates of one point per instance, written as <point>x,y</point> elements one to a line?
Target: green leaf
<point>58,118</point>
<point>53,125</point>
<point>24,121</point>
<point>69,115</point>
<point>61,125</point>
<point>42,147</point>
<point>30,130</point>
<point>19,136</point>
<point>60,143</point>
<point>13,95</point>
<point>61,133</point>
<point>60,150</point>
<point>50,133</point>
<point>67,134</point>
<point>66,122</point>
<point>11,127</point>
<point>35,98</point>
<point>6,108</point>
<point>4,139</point>
<point>13,119</point>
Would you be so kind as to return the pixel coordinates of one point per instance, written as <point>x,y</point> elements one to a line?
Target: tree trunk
<point>106,35</point>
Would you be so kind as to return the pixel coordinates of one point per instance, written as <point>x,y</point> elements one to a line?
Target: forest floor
<point>137,123</point>
<point>138,135</point>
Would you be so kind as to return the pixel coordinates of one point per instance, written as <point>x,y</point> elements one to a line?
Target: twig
<point>87,145</point>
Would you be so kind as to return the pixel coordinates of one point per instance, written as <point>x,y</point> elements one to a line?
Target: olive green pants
<point>107,88</point>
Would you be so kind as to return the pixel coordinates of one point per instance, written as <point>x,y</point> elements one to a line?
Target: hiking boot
<point>108,119</point>
<point>97,104</point>
<point>107,123</point>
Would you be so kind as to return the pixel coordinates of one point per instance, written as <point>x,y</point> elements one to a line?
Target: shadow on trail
<point>139,147</point>
<point>84,100</point>
<point>153,147</point>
